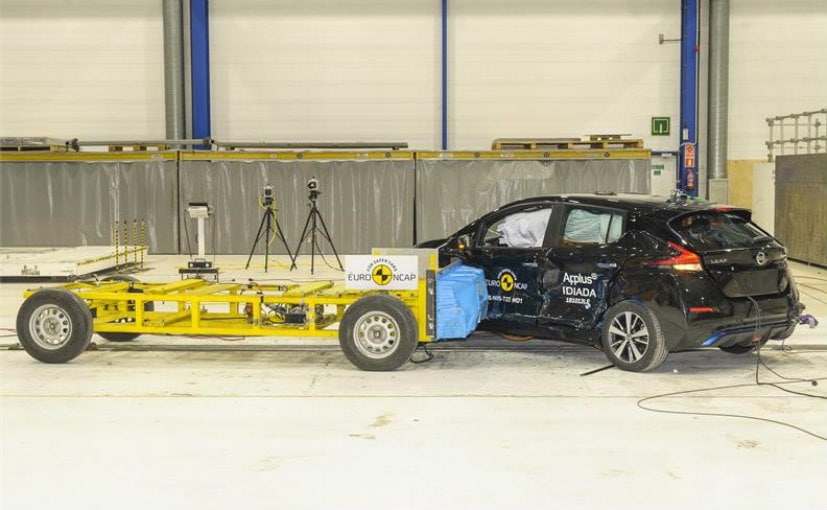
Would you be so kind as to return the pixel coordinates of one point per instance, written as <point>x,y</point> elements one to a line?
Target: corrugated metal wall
<point>344,70</point>
<point>556,68</point>
<point>88,70</point>
<point>366,69</point>
<point>776,66</point>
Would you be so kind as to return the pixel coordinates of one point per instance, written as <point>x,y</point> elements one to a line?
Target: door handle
<point>604,264</point>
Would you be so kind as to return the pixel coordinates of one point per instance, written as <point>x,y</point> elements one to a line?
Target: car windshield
<point>710,230</point>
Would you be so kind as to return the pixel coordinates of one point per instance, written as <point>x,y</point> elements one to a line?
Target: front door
<point>510,249</point>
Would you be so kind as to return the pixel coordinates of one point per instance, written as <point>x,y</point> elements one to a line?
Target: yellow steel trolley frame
<point>121,307</point>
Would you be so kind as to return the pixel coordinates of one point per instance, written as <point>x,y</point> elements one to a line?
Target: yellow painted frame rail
<point>199,307</point>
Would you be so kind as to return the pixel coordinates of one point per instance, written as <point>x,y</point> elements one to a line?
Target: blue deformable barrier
<point>461,301</point>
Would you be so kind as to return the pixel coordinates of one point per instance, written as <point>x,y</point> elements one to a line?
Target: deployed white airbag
<point>524,230</point>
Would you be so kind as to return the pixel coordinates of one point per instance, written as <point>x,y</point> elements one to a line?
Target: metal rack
<point>797,133</point>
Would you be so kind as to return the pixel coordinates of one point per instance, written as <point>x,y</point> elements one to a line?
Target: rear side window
<point>592,227</point>
<point>709,230</point>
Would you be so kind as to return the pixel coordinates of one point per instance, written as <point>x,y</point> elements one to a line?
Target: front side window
<point>524,229</point>
<point>592,227</point>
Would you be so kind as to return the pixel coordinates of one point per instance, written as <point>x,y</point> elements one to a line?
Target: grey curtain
<point>452,193</point>
<point>71,203</point>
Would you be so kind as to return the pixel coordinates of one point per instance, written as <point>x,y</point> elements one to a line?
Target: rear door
<point>583,259</point>
<point>509,246</point>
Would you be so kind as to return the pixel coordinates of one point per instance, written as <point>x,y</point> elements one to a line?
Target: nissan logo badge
<point>761,258</point>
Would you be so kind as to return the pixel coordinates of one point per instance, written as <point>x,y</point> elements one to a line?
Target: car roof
<point>638,203</point>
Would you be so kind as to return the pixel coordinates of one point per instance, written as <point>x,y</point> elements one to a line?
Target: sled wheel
<point>54,325</point>
<point>378,332</point>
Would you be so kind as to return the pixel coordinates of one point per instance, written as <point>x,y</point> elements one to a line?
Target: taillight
<point>685,260</point>
<point>702,309</point>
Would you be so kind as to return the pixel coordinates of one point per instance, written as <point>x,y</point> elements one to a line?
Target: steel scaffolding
<point>797,133</point>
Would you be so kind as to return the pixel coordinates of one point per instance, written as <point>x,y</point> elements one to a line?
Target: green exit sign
<point>660,126</point>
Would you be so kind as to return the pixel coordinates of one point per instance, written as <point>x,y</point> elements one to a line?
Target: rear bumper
<point>740,335</point>
<point>748,329</point>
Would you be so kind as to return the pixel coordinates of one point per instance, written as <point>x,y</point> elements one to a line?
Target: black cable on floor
<point>810,296</point>
<point>720,415</point>
<point>758,363</point>
<point>761,363</point>
<point>428,354</point>
<point>596,370</point>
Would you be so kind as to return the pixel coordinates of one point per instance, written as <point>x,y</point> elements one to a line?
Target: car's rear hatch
<point>741,257</point>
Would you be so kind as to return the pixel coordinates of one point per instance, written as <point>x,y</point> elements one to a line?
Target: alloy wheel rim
<point>628,337</point>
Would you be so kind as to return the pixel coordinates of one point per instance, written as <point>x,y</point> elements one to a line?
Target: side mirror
<point>458,247</point>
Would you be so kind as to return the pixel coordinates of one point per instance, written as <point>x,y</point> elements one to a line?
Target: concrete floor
<point>275,423</point>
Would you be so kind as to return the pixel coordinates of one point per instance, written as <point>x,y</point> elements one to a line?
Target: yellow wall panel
<point>740,181</point>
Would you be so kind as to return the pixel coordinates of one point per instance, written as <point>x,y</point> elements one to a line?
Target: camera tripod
<point>311,228</point>
<point>265,228</point>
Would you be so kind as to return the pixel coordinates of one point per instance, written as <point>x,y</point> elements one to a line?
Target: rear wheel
<point>54,325</point>
<point>148,307</point>
<point>632,337</point>
<point>378,333</point>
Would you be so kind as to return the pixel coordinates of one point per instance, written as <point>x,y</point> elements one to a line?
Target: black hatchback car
<point>637,276</point>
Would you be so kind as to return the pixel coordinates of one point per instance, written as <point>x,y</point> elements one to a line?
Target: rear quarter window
<point>710,230</point>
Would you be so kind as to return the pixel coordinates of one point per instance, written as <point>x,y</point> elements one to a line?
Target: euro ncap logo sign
<point>382,274</point>
<point>390,272</point>
<point>507,282</point>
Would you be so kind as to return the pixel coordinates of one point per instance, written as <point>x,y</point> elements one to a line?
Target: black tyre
<point>54,325</point>
<point>148,307</point>
<point>378,332</point>
<point>632,337</point>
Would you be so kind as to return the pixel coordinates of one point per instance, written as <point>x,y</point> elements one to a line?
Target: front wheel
<point>54,325</point>
<point>632,337</point>
<point>378,333</point>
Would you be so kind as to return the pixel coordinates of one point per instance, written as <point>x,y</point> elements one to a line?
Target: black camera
<point>267,195</point>
<point>313,184</point>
